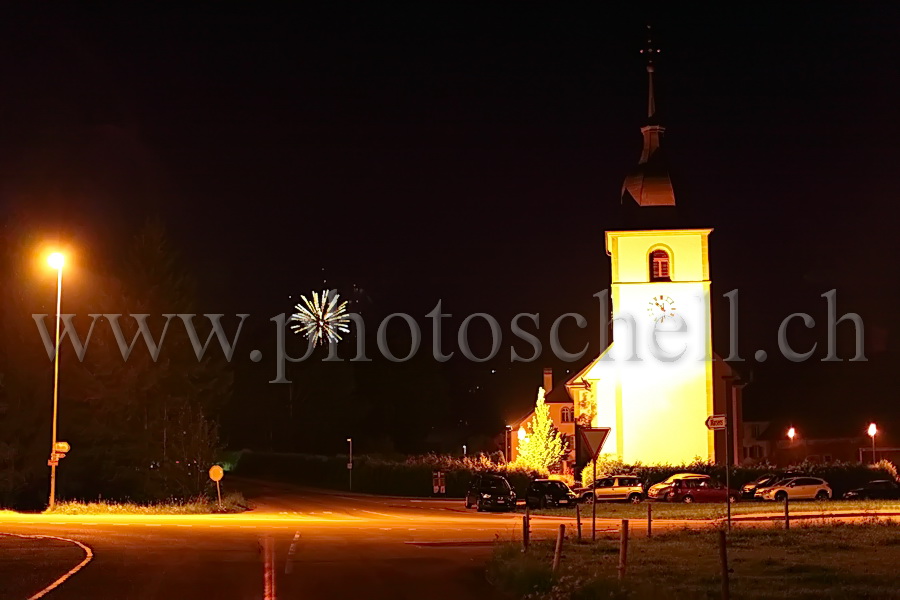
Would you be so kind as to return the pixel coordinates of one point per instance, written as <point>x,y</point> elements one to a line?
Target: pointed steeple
<point>649,184</point>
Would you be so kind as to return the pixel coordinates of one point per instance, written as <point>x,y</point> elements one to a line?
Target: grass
<point>838,561</point>
<point>231,503</point>
<point>666,510</point>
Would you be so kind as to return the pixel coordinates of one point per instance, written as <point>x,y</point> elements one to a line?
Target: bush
<point>410,477</point>
<point>842,476</point>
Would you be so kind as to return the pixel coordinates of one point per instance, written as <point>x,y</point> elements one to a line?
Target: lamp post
<point>56,260</point>
<point>350,464</point>
<point>791,433</point>
<point>873,431</point>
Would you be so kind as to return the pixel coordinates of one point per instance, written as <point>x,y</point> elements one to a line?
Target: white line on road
<point>289,564</point>
<point>268,569</point>
<point>88,555</point>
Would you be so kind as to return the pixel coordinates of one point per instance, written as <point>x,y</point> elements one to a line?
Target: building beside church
<point>657,382</point>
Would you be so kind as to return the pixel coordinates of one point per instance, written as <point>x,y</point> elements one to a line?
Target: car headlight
<point>485,496</point>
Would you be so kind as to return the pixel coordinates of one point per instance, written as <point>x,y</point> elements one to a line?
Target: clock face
<point>661,307</point>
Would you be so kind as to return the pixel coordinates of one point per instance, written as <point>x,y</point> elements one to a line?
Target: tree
<point>544,447</point>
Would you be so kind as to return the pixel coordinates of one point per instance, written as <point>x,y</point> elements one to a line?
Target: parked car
<point>613,488</point>
<point>660,490</point>
<point>694,489</point>
<point>544,493</point>
<point>752,489</point>
<point>797,488</point>
<point>880,489</point>
<point>490,492</point>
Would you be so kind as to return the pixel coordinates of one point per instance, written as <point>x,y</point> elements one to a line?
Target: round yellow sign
<point>216,473</point>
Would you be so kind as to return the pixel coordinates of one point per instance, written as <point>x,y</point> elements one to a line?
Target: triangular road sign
<point>593,438</point>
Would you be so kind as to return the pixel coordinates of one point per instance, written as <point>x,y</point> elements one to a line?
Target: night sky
<point>475,155</point>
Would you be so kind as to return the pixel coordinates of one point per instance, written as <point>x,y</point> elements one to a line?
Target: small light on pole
<point>350,464</point>
<point>873,431</point>
<point>791,433</point>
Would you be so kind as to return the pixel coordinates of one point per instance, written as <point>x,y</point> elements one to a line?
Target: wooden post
<point>526,529</point>
<point>723,558</point>
<point>559,544</point>
<point>219,492</point>
<point>623,548</point>
<point>594,503</point>
<point>649,520</point>
<point>787,516</point>
<point>578,519</point>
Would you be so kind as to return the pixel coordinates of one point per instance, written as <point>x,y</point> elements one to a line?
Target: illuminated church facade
<point>657,382</point>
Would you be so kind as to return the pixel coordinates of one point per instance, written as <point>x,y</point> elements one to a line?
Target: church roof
<point>648,185</point>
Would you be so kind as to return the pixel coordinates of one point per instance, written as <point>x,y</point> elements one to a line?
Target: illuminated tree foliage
<point>544,447</point>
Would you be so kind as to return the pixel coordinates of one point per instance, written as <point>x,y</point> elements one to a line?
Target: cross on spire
<point>650,51</point>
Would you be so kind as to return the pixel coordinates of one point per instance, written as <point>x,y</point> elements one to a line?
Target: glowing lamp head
<point>791,433</point>
<point>872,429</point>
<point>522,433</point>
<point>56,260</point>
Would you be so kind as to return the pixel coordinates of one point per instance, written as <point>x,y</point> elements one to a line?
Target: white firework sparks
<point>322,318</point>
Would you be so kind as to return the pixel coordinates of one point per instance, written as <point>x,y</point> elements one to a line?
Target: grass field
<point>838,561</point>
<point>666,510</point>
<point>231,503</point>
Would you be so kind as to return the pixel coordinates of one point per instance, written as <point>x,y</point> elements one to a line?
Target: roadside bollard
<point>557,553</point>
<point>578,519</point>
<point>623,548</point>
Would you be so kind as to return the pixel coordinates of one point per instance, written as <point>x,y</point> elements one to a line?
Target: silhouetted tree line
<point>139,429</point>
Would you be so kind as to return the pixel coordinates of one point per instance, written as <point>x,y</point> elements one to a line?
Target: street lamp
<point>873,431</point>
<point>791,433</point>
<point>55,260</point>
<point>350,463</point>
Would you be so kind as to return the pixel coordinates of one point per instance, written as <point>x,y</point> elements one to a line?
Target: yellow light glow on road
<point>56,260</point>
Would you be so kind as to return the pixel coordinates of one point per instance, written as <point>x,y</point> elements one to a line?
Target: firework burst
<point>322,318</point>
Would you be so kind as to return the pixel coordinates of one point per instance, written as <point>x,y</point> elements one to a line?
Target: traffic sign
<point>216,473</point>
<point>716,422</point>
<point>593,438</point>
<point>61,447</point>
<point>349,465</point>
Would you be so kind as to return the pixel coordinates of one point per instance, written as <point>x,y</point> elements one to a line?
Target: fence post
<point>559,544</point>
<point>723,558</point>
<point>787,516</point>
<point>578,519</point>
<point>649,520</point>
<point>526,529</point>
<point>623,548</point>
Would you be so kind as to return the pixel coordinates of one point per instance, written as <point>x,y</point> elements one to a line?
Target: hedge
<point>374,475</point>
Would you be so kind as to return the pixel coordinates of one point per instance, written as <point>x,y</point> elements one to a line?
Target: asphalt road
<point>294,544</point>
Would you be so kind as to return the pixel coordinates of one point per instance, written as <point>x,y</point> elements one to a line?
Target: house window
<point>568,414</point>
<point>659,266</point>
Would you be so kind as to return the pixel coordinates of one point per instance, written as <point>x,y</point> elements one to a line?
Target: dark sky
<point>472,154</point>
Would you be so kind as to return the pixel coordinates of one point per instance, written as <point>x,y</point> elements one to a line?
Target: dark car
<point>700,490</point>
<point>544,493</point>
<point>490,492</point>
<point>763,481</point>
<point>881,489</point>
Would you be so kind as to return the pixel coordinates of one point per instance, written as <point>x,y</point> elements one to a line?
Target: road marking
<point>289,564</point>
<point>88,555</point>
<point>180,525</point>
<point>268,569</point>
<point>152,525</point>
<point>372,512</point>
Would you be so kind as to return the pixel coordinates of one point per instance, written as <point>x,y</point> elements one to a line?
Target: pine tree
<point>544,447</point>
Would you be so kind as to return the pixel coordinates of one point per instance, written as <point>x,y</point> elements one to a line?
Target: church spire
<point>649,52</point>
<point>649,185</point>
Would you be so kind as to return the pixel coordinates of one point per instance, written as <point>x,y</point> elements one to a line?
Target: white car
<point>797,488</point>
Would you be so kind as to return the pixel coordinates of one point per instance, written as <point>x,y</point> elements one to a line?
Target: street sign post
<point>216,473</point>
<point>716,422</point>
<point>720,423</point>
<point>439,482</point>
<point>593,438</point>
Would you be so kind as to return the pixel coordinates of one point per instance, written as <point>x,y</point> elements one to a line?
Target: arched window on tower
<point>567,414</point>
<point>660,266</point>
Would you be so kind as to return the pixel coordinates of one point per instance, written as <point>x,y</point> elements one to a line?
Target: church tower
<point>653,386</point>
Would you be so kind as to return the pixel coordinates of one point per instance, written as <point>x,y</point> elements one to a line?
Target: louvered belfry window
<point>659,266</point>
